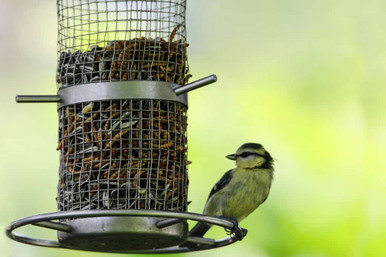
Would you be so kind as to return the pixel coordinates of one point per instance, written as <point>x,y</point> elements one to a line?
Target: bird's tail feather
<point>199,229</point>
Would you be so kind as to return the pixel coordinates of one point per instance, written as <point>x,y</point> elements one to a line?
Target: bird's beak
<point>231,157</point>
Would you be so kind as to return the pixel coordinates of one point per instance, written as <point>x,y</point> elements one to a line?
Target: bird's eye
<point>244,155</point>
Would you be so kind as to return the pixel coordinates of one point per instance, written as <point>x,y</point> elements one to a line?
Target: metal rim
<point>134,89</point>
<point>45,220</point>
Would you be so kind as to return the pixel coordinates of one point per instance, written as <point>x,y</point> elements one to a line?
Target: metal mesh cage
<point>122,103</point>
<point>119,40</point>
<point>123,154</point>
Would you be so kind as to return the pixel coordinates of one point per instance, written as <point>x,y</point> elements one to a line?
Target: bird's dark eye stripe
<point>246,154</point>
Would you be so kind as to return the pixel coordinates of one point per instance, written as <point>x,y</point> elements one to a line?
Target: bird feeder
<point>122,79</point>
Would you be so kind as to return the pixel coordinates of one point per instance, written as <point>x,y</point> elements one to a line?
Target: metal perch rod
<point>196,84</point>
<point>38,99</point>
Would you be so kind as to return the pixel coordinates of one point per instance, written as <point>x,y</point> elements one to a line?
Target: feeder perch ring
<point>170,219</point>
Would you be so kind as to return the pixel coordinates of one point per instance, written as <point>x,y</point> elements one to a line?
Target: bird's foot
<point>231,219</point>
<point>235,224</point>
<point>239,233</point>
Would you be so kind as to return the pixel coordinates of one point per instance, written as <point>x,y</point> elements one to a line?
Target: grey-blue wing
<point>221,183</point>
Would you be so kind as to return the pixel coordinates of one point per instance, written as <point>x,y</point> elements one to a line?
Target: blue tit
<point>241,190</point>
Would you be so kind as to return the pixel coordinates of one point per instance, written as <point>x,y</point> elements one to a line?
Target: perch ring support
<point>171,218</point>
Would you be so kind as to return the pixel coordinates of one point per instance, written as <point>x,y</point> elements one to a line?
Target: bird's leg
<point>239,233</point>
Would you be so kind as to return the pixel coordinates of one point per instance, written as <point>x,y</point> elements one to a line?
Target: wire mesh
<point>123,154</point>
<point>119,40</point>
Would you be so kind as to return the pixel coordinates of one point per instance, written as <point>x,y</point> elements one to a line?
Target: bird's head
<point>251,155</point>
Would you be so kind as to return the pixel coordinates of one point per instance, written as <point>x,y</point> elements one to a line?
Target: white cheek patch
<point>250,161</point>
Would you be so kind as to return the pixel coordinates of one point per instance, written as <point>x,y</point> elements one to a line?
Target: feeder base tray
<point>124,231</point>
<point>121,234</point>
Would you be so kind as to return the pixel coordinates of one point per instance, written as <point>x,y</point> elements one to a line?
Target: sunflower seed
<point>88,108</point>
<point>89,150</point>
<point>106,200</point>
<point>96,78</point>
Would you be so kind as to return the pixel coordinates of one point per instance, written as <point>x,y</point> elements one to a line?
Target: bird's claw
<point>239,233</point>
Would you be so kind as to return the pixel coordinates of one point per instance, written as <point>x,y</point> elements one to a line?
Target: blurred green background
<point>304,78</point>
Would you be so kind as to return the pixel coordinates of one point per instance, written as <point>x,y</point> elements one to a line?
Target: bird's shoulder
<point>225,179</point>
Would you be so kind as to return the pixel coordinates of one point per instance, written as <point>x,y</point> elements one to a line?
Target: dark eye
<point>244,155</point>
